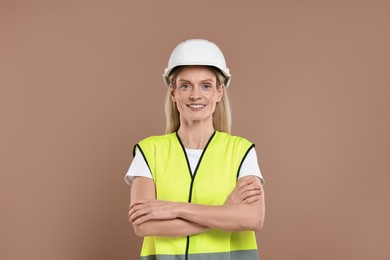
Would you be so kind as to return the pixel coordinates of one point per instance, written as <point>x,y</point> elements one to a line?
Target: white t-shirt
<point>138,166</point>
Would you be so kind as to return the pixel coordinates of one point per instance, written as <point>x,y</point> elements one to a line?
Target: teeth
<point>196,106</point>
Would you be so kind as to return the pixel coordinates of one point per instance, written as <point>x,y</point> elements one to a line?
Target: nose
<point>194,94</point>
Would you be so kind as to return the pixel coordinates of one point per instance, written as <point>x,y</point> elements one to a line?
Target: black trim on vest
<point>197,165</point>
<point>192,177</point>
<point>135,146</point>
<point>187,247</point>
<point>143,155</point>
<point>243,158</point>
<point>185,155</point>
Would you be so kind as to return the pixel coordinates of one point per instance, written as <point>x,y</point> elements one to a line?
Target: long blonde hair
<point>222,118</point>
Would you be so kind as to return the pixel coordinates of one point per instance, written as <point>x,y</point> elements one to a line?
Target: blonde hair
<point>222,118</point>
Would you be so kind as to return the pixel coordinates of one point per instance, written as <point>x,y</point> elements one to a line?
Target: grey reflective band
<point>234,255</point>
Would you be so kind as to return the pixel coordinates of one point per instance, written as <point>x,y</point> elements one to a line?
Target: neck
<point>195,135</point>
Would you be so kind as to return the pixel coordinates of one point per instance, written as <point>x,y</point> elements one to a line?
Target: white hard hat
<point>197,52</point>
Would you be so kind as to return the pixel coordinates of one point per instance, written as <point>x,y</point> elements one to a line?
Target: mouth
<point>196,106</point>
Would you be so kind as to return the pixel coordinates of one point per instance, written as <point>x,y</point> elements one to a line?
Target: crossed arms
<point>243,210</point>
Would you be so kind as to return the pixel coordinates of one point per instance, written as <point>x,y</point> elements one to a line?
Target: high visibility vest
<point>214,179</point>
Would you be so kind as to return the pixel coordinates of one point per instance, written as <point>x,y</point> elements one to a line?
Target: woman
<point>196,191</point>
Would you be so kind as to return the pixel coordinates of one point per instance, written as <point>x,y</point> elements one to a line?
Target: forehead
<point>196,73</point>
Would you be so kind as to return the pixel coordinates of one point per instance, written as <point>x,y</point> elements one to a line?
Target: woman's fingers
<point>244,183</point>
<point>251,196</point>
<point>136,206</point>
<point>139,217</point>
<point>137,202</point>
<point>141,211</point>
<point>244,192</point>
<point>252,199</point>
<point>251,192</point>
<point>138,209</point>
<point>137,212</point>
<point>141,220</point>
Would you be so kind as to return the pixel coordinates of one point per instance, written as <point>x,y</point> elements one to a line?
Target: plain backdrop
<point>81,83</point>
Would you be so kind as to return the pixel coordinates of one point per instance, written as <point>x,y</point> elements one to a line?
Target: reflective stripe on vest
<point>234,255</point>
<point>213,180</point>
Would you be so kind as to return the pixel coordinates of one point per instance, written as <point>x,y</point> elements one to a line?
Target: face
<point>196,93</point>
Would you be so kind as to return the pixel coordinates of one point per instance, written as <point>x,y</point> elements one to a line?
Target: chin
<point>198,118</point>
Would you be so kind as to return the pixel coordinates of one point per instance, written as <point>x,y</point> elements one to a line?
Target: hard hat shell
<point>197,52</point>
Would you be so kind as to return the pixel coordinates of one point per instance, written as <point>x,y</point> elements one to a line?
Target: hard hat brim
<point>225,72</point>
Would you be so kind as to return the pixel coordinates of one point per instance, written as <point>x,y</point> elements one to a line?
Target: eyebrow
<point>202,81</point>
<point>208,80</point>
<point>183,80</point>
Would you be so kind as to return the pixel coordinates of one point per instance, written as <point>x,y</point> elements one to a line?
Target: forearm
<point>168,228</point>
<point>243,210</point>
<point>231,217</point>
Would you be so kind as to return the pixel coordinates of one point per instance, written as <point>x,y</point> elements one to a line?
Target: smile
<point>196,106</point>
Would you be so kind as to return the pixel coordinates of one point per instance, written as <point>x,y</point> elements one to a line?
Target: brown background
<point>81,84</point>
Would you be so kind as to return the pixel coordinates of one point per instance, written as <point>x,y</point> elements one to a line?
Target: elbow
<point>258,221</point>
<point>258,225</point>
<point>250,224</point>
<point>139,231</point>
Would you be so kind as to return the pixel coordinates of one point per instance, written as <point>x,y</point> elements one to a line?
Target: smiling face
<point>196,94</point>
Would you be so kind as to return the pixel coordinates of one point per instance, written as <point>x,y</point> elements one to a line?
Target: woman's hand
<point>247,191</point>
<point>143,210</point>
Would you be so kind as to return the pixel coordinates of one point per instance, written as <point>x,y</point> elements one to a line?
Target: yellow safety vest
<point>214,179</point>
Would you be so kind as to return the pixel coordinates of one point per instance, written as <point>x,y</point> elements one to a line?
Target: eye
<point>185,86</point>
<point>206,86</point>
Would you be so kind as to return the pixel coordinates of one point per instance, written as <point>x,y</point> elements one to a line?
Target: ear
<point>220,92</point>
<point>172,91</point>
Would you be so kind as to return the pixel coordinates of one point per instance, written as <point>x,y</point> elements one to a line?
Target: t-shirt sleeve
<point>250,166</point>
<point>138,167</point>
